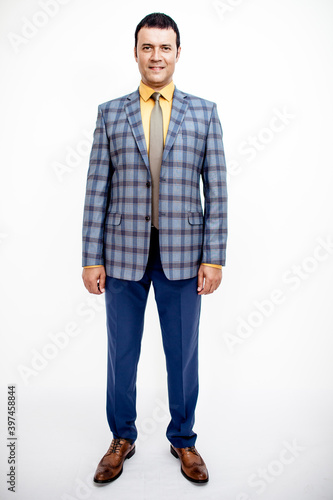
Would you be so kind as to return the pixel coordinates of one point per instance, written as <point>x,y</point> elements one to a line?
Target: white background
<point>264,387</point>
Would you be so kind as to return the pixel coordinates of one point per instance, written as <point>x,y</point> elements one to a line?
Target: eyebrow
<point>151,45</point>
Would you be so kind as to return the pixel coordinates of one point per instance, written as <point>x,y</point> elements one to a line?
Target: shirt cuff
<point>213,265</point>
<point>87,267</point>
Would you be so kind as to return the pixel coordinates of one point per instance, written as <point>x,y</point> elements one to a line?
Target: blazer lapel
<point>133,111</point>
<point>132,107</point>
<point>179,107</point>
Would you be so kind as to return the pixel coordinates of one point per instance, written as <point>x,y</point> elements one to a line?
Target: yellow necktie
<point>156,147</point>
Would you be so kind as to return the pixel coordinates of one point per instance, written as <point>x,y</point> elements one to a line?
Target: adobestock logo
<point>225,7</point>
<point>56,342</point>
<point>264,476</point>
<point>83,489</point>
<point>30,28</point>
<point>60,340</point>
<point>40,358</point>
<point>266,307</point>
<point>257,143</point>
<point>74,156</point>
<point>149,425</point>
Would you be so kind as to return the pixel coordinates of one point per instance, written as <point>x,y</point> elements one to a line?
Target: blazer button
<point>148,184</point>
<point>147,217</point>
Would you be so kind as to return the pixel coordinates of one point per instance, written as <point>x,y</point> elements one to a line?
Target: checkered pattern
<point>117,211</point>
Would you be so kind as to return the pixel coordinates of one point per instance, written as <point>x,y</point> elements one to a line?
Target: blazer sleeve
<point>96,198</point>
<point>214,176</point>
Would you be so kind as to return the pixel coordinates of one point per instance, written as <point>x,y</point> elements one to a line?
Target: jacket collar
<point>133,111</point>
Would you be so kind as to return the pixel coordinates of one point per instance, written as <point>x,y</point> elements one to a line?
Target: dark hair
<point>158,20</point>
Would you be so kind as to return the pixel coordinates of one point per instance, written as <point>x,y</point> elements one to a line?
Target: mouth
<point>156,68</point>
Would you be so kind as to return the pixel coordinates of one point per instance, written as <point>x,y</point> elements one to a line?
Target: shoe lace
<point>191,449</point>
<point>115,446</point>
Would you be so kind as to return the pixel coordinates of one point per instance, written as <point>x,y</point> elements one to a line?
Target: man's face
<point>156,54</point>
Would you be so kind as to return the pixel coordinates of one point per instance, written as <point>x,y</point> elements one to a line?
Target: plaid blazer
<point>117,209</point>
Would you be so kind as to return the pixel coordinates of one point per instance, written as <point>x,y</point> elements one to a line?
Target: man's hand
<point>212,276</point>
<point>94,279</point>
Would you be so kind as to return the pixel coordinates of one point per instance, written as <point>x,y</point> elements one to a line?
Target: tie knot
<point>156,96</point>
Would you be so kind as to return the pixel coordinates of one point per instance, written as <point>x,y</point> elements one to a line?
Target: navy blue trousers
<point>178,305</point>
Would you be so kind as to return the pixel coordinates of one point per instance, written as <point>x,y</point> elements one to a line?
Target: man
<point>144,223</point>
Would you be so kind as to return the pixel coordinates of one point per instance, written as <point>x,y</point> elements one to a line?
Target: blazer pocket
<point>195,218</point>
<point>113,219</point>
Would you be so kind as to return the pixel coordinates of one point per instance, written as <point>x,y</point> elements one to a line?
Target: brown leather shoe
<point>192,465</point>
<point>111,465</point>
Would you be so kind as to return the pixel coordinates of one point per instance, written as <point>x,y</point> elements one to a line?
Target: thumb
<point>200,279</point>
<point>102,282</point>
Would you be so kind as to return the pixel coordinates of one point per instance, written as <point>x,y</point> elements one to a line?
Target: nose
<point>156,55</point>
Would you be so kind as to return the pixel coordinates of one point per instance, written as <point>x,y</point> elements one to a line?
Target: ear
<point>178,53</point>
<point>135,55</point>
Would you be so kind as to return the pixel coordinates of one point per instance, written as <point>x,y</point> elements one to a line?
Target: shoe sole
<point>105,481</point>
<point>197,481</point>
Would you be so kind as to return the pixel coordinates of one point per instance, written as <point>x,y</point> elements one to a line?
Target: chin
<point>156,80</point>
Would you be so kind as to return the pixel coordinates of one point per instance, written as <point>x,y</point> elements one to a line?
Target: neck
<point>156,86</point>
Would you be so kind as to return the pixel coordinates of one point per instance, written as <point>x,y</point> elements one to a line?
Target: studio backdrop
<point>265,353</point>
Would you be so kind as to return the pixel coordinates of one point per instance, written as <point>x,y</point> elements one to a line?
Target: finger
<point>216,286</point>
<point>205,289</point>
<point>93,287</point>
<point>211,288</point>
<point>102,283</point>
<point>200,280</point>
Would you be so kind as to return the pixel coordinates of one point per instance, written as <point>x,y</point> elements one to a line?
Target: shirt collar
<point>146,92</point>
